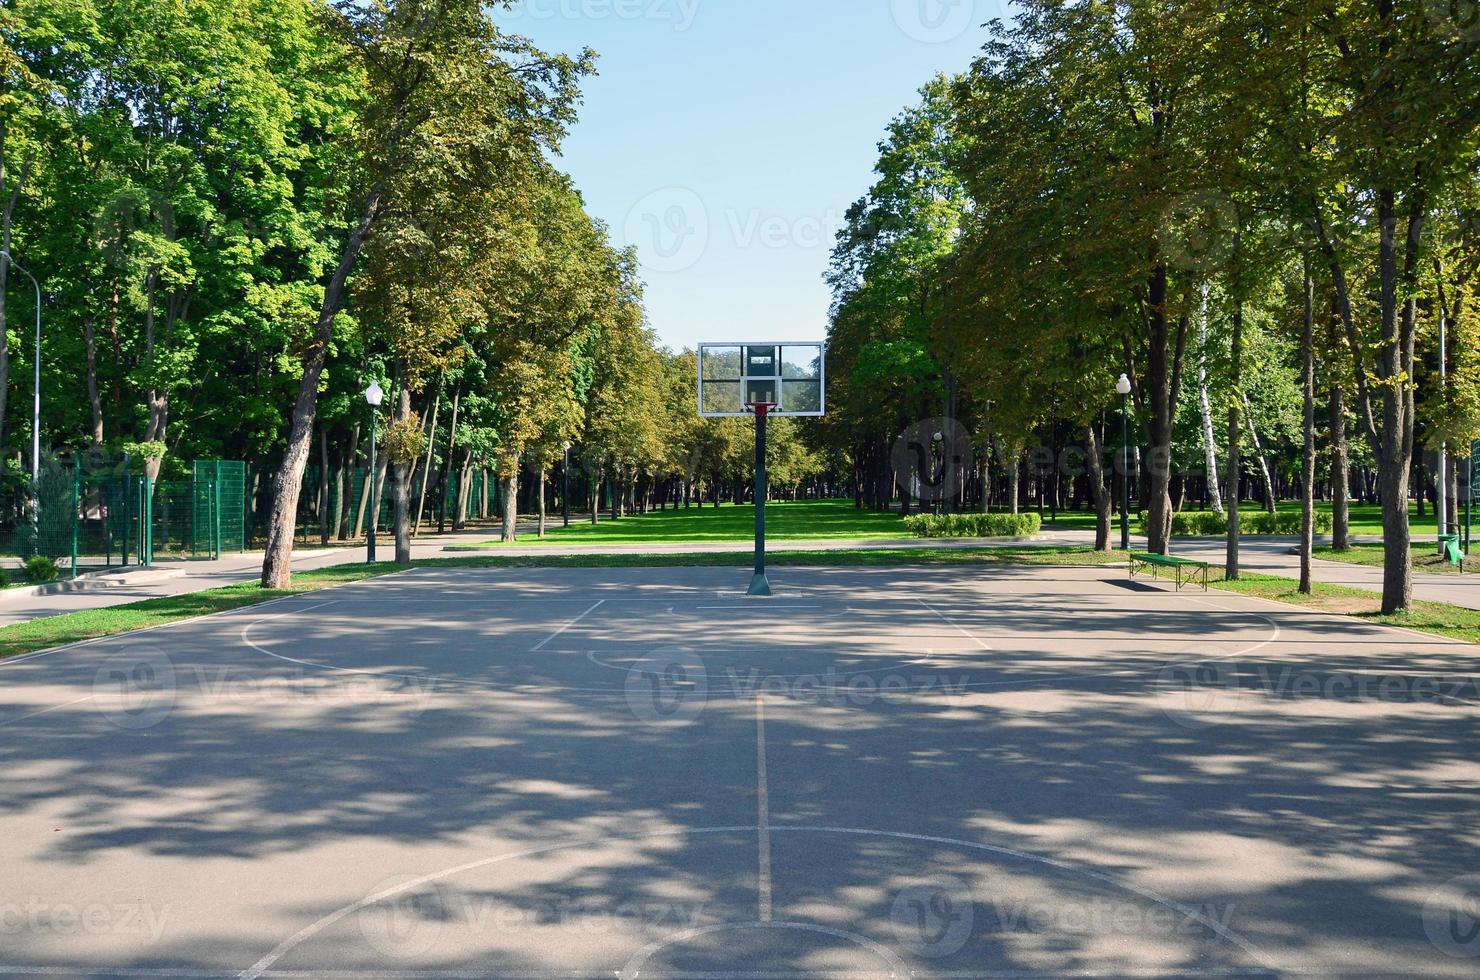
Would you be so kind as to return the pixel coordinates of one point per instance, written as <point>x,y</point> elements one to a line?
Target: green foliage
<point>973,525</point>
<point>41,569</point>
<point>404,440</point>
<point>1191,524</point>
<point>145,450</point>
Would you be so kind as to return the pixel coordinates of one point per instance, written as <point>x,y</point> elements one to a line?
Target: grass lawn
<point>1424,558</point>
<point>790,521</point>
<point>1441,619</point>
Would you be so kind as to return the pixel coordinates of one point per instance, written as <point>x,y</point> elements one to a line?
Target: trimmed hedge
<point>973,525</point>
<point>1206,524</point>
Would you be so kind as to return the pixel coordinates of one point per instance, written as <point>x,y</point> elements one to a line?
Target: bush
<point>40,569</point>
<point>1199,523</point>
<point>4,578</point>
<point>973,525</point>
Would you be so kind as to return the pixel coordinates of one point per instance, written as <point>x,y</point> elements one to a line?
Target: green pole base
<point>759,585</point>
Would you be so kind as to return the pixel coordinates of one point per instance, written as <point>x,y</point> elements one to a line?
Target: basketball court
<point>942,772</point>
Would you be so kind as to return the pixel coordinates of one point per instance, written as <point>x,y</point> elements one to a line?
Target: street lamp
<point>565,487</point>
<point>36,392</point>
<point>1123,388</point>
<point>374,395</point>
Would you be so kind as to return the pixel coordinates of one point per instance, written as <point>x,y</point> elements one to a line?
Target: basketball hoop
<point>760,409</point>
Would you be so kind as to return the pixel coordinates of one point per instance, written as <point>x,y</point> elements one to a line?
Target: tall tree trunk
<point>277,562</point>
<point>539,492</point>
<point>1308,474</point>
<point>1098,490</point>
<point>1205,405</point>
<point>402,489</point>
<point>511,503</point>
<point>346,481</point>
<point>1340,457</point>
<point>1167,341</point>
<point>95,404</point>
<point>447,468</point>
<point>1014,481</point>
<point>426,468</point>
<point>1266,478</point>
<point>464,488</point>
<point>324,496</point>
<point>596,498</point>
<point>1235,442</point>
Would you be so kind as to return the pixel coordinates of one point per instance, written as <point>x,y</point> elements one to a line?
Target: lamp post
<point>36,390</point>
<point>1123,388</point>
<point>374,395</point>
<point>565,487</point>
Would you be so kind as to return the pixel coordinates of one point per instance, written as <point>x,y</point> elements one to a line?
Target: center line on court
<point>952,624</point>
<point>556,635</point>
<point>763,813</point>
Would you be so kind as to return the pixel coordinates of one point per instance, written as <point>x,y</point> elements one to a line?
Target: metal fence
<point>85,511</point>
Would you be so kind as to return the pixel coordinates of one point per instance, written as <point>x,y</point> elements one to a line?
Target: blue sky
<point>726,138</point>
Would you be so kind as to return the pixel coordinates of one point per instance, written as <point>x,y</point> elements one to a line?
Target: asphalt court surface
<point>929,772</point>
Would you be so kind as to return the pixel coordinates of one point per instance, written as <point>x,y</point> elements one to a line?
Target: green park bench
<point>1185,570</point>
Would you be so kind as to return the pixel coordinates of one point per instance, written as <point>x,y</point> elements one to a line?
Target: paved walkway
<point>1273,556</point>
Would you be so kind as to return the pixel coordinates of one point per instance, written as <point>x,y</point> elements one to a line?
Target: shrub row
<point>973,525</point>
<point>1194,524</point>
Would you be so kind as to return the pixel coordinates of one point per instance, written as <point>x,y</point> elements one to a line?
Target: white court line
<point>55,707</point>
<point>555,635</point>
<point>263,966</point>
<point>763,814</point>
<point>953,625</point>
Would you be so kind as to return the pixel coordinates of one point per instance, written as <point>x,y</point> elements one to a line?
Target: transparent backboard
<point>791,377</point>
